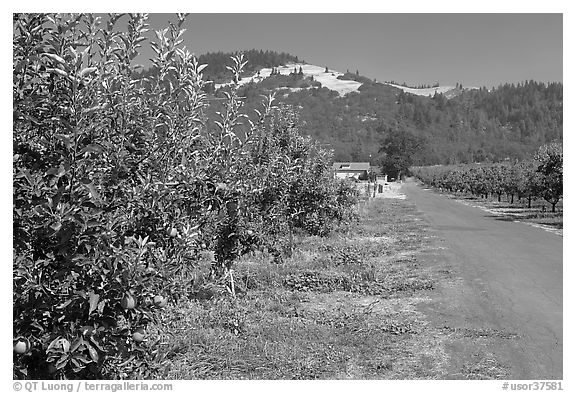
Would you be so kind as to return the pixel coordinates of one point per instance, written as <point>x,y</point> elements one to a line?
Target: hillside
<point>338,81</point>
<point>354,114</point>
<point>326,79</point>
<point>447,91</point>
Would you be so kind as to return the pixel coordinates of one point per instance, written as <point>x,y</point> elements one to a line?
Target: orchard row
<point>123,185</point>
<point>540,177</point>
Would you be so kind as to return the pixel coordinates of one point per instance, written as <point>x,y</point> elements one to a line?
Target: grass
<point>342,307</point>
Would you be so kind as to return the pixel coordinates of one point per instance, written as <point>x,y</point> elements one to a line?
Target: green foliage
<point>526,180</point>
<point>398,151</point>
<point>550,167</point>
<point>122,186</point>
<point>84,194</point>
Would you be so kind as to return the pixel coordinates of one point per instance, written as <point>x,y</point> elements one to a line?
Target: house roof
<point>351,166</point>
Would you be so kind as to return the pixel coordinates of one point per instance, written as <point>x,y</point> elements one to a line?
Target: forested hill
<point>509,122</point>
<point>473,125</point>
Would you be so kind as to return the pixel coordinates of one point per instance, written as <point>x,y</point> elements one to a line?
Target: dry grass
<point>343,307</point>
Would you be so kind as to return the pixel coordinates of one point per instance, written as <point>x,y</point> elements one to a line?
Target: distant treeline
<point>423,86</point>
<point>217,62</point>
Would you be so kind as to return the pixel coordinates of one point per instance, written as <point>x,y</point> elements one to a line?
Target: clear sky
<point>472,49</point>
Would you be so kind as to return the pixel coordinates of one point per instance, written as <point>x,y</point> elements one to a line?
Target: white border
<point>258,6</point>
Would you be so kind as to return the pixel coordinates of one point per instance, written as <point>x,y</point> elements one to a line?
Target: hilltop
<point>340,82</point>
<point>327,78</point>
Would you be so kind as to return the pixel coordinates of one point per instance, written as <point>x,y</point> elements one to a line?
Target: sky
<point>472,49</point>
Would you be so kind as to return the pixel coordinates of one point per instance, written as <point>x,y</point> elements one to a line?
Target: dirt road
<point>504,304</point>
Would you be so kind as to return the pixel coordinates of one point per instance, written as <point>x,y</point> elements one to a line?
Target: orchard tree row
<point>122,185</point>
<point>540,177</point>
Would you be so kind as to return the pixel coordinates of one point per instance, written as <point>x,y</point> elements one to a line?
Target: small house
<point>357,170</point>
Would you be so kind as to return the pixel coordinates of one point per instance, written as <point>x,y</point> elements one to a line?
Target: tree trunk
<point>554,207</point>
<point>512,199</point>
<point>529,202</point>
<point>290,240</point>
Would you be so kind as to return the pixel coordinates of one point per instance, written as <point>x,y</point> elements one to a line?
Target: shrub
<point>101,182</point>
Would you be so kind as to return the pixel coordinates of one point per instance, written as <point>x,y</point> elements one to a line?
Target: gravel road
<point>506,291</point>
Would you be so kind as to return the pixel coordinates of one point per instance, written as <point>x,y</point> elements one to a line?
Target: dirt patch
<point>389,190</point>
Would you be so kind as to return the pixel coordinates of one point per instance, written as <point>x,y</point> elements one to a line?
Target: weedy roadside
<point>343,306</point>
